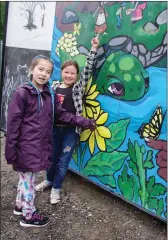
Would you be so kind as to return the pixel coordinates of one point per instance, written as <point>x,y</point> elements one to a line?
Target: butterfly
<point>76,28</point>
<point>153,128</point>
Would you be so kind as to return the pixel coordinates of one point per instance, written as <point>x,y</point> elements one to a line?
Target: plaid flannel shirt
<point>79,87</point>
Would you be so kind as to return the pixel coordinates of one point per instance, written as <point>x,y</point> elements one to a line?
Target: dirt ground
<point>86,212</point>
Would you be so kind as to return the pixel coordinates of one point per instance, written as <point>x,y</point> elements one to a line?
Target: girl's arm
<point>15,116</point>
<point>63,115</point>
<point>88,69</point>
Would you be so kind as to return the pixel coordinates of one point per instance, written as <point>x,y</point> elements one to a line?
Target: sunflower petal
<point>92,142</point>
<point>88,86</point>
<point>83,111</point>
<point>92,89</point>
<point>92,103</point>
<point>102,119</point>
<point>97,112</point>
<point>100,141</point>
<point>94,109</point>
<point>104,132</point>
<point>89,112</point>
<point>85,135</point>
<point>92,96</point>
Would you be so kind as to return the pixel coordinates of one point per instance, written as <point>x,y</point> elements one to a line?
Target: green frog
<point>123,76</point>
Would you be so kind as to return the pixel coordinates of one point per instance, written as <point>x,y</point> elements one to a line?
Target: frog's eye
<point>117,89</point>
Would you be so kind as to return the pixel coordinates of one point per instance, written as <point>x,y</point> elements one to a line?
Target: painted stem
<point>141,173</point>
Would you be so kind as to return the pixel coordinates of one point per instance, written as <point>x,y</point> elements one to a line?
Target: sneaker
<point>17,211</point>
<point>54,196</point>
<point>43,185</point>
<point>37,220</point>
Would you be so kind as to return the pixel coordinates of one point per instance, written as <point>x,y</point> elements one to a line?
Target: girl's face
<point>69,75</point>
<point>41,73</point>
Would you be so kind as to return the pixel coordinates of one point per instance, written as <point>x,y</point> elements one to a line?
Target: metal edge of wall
<point>3,57</point>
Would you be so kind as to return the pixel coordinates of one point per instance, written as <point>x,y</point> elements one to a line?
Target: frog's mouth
<point>116,88</point>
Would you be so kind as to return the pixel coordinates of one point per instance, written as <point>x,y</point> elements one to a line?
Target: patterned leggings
<point>26,193</point>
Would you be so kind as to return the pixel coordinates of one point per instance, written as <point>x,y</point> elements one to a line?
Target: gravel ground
<point>86,212</point>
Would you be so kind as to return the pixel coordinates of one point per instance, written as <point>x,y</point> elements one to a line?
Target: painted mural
<point>127,152</point>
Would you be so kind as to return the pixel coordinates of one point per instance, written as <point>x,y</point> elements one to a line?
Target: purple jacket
<point>29,128</point>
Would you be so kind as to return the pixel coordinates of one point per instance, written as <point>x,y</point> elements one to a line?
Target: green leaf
<point>149,155</point>
<point>155,189</point>
<point>157,205</point>
<point>108,180</point>
<point>158,190</point>
<point>103,164</point>
<point>131,151</point>
<point>132,160</point>
<point>152,203</point>
<point>133,166</point>
<point>125,183</point>
<point>150,184</point>
<point>143,149</point>
<point>148,165</point>
<point>118,134</point>
<point>160,208</point>
<point>148,162</point>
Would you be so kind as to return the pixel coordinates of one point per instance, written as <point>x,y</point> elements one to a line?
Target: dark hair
<point>70,63</point>
<point>37,59</point>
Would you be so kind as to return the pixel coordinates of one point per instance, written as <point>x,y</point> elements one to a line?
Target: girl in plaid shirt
<point>65,137</point>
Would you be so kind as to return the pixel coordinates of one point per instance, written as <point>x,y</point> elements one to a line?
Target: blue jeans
<point>65,140</point>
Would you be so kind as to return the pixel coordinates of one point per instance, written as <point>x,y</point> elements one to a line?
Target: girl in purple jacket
<point>29,136</point>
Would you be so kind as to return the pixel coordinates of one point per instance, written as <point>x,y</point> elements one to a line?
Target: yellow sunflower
<point>99,134</point>
<point>89,108</point>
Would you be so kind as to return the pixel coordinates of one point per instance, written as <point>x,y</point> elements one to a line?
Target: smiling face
<point>69,75</point>
<point>41,72</point>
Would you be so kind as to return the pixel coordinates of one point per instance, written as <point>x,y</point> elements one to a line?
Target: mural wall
<point>127,152</point>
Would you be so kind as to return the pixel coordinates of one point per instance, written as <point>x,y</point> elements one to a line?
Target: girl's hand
<point>92,124</point>
<point>95,43</point>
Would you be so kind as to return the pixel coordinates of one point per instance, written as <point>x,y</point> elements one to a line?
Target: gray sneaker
<point>42,186</point>
<point>54,196</point>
